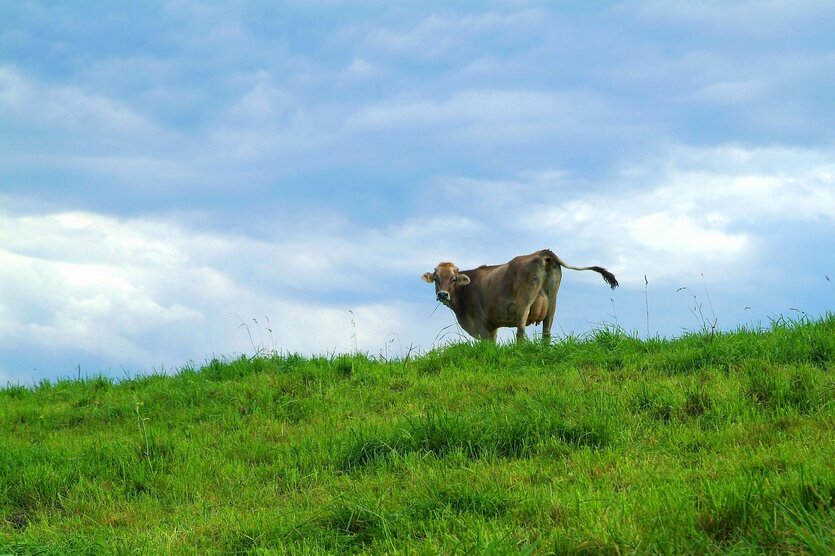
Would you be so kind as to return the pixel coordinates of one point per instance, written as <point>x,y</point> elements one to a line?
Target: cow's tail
<point>607,276</point>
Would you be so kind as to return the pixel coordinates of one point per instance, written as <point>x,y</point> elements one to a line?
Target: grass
<point>710,443</point>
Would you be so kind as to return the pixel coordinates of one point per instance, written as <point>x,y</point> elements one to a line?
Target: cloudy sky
<point>181,180</point>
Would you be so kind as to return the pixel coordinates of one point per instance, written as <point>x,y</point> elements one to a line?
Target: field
<point>709,443</point>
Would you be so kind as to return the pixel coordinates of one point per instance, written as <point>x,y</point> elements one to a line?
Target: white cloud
<point>464,106</point>
<point>729,92</point>
<point>227,31</point>
<point>360,69</point>
<point>776,183</point>
<point>270,124</point>
<point>487,115</point>
<point>263,102</point>
<point>141,292</point>
<point>118,141</point>
<point>68,107</point>
<point>747,17</point>
<point>146,171</point>
<point>701,210</point>
<point>81,283</point>
<point>435,35</point>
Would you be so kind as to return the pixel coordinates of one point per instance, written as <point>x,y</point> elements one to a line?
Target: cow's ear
<point>428,277</point>
<point>462,280</point>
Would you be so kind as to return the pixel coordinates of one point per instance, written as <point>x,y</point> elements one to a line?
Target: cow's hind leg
<point>552,287</point>
<point>523,319</point>
<point>532,284</point>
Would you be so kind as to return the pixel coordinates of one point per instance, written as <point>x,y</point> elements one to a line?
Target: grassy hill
<point>602,444</point>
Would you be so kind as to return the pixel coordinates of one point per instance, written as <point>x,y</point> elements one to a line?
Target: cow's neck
<point>459,306</point>
<point>462,310</point>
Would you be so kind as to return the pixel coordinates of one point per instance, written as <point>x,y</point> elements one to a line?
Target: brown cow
<point>517,293</point>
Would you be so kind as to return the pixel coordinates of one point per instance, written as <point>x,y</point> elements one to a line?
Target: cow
<point>518,293</point>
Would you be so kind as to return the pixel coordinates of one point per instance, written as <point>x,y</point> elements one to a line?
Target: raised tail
<point>607,276</point>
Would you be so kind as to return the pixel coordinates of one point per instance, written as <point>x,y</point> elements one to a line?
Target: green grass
<point>718,443</point>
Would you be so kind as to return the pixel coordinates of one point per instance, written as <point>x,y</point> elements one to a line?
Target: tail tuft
<point>607,276</point>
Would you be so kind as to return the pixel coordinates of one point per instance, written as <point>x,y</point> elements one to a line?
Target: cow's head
<point>447,280</point>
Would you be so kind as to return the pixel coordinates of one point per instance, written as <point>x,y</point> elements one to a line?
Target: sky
<point>184,180</point>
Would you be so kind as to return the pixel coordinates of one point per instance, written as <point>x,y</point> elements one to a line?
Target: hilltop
<point>600,444</point>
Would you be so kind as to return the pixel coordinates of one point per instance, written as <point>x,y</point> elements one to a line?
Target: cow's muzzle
<point>443,296</point>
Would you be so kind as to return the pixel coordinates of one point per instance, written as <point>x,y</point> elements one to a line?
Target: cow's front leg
<point>485,333</point>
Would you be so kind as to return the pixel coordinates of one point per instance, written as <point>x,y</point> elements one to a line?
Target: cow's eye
<point>454,279</point>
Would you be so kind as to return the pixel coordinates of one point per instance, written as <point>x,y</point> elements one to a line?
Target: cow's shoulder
<point>480,272</point>
<point>484,273</point>
<point>486,268</point>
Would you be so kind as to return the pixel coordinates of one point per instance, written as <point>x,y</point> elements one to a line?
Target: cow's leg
<point>528,285</point>
<point>552,287</point>
<point>493,335</point>
<point>520,328</point>
<point>485,333</point>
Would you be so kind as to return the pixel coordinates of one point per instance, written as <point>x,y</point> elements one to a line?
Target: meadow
<point>600,444</point>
